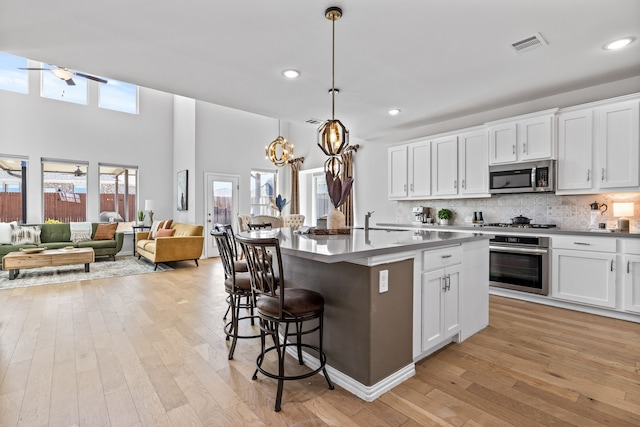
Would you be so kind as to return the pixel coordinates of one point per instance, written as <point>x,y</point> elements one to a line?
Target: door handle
<point>524,148</point>
<point>463,184</point>
<point>411,188</point>
<point>443,280</point>
<point>513,147</point>
<point>455,183</point>
<point>588,175</point>
<point>628,267</point>
<point>602,175</point>
<point>612,265</point>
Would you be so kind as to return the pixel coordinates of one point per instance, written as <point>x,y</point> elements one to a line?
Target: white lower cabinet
<point>584,276</point>
<point>440,296</point>
<point>632,283</point>
<point>440,306</point>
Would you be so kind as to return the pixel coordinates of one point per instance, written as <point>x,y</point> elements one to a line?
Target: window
<point>60,178</point>
<point>13,175</point>
<point>118,192</point>
<point>11,78</point>
<point>263,184</point>
<point>56,88</point>
<point>314,200</point>
<point>119,96</point>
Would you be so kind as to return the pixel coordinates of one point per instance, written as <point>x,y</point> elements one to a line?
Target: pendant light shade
<point>333,136</point>
<point>279,151</point>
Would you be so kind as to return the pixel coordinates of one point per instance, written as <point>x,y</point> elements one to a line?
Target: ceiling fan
<point>66,75</point>
<point>78,172</point>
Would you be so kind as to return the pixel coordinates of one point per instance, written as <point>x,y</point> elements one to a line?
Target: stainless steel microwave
<point>527,177</point>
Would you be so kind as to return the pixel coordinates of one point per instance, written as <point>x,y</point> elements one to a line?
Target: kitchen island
<point>392,297</point>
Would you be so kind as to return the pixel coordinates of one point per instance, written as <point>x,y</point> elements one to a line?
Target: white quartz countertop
<point>512,230</point>
<point>360,244</point>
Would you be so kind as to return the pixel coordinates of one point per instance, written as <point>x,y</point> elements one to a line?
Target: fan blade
<point>90,77</point>
<point>19,68</point>
<point>70,82</point>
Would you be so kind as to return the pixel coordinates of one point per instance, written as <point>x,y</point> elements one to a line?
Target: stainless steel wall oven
<point>520,263</point>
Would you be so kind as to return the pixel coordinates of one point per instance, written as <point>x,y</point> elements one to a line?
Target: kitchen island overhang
<point>370,333</point>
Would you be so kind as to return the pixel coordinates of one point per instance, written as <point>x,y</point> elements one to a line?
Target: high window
<point>60,179</point>
<point>118,96</point>
<point>11,78</point>
<point>56,88</point>
<point>13,195</point>
<point>263,184</point>
<point>118,192</point>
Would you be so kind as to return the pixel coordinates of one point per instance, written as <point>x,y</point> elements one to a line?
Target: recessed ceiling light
<point>618,44</point>
<point>291,74</point>
<point>394,111</point>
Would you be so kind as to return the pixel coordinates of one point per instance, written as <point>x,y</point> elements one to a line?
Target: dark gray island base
<point>373,336</point>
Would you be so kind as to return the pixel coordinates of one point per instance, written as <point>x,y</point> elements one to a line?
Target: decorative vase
<point>336,220</point>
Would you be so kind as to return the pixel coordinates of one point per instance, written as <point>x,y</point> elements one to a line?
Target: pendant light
<point>279,151</point>
<point>333,136</point>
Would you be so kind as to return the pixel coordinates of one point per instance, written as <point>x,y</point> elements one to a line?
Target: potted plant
<point>444,215</point>
<point>338,194</point>
<point>140,217</point>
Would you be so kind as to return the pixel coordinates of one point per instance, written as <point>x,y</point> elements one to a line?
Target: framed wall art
<point>183,188</point>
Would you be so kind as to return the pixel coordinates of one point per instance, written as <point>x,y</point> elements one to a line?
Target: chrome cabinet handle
<point>588,175</point>
<point>405,187</point>
<point>524,148</point>
<point>582,243</point>
<point>513,147</point>
<point>443,280</point>
<point>612,265</point>
<point>463,184</point>
<point>446,256</point>
<point>602,175</point>
<point>455,183</point>
<point>628,267</point>
<point>411,187</point>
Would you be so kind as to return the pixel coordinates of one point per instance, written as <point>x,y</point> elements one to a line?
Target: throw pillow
<point>154,229</point>
<point>5,232</point>
<point>25,235</point>
<point>106,231</point>
<point>80,231</point>
<point>165,232</point>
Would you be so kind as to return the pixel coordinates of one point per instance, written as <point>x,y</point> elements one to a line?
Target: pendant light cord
<point>333,69</point>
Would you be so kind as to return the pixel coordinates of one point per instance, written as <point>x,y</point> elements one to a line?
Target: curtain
<point>347,171</point>
<point>294,207</point>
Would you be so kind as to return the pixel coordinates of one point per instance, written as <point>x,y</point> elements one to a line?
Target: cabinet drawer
<point>438,258</point>
<point>632,247</point>
<point>597,244</point>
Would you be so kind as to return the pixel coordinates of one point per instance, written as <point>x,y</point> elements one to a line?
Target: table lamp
<point>622,211</point>
<point>150,205</point>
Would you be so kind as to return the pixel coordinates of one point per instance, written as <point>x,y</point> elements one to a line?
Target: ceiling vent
<point>529,43</point>
<point>314,121</point>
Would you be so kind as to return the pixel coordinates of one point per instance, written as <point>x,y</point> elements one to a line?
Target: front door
<point>221,207</point>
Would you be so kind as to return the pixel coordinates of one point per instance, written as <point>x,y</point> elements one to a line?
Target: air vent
<point>314,121</point>
<point>529,43</point>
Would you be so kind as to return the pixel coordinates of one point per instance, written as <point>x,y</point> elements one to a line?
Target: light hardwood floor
<point>149,350</point>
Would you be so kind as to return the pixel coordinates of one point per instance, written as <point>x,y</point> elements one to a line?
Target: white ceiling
<point>433,59</point>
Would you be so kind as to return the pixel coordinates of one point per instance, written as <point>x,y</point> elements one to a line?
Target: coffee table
<point>14,261</point>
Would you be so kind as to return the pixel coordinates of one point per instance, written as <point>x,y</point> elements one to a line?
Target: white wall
<point>184,155</point>
<point>37,127</point>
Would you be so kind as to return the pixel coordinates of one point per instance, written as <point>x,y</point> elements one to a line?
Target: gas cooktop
<point>511,225</point>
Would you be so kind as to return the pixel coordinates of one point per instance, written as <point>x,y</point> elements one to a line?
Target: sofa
<point>186,242</point>
<point>55,236</point>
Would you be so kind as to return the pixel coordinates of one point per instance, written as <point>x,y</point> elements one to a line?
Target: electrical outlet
<point>383,280</point>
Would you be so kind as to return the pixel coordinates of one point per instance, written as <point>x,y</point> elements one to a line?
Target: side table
<point>135,229</point>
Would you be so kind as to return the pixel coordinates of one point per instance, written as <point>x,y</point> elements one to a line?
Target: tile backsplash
<point>569,212</point>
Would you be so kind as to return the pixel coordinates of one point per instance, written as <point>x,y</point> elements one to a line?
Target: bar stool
<point>240,265</point>
<point>258,225</point>
<point>237,285</point>
<point>278,306</point>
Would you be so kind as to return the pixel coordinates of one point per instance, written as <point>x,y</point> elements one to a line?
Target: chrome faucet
<point>366,220</point>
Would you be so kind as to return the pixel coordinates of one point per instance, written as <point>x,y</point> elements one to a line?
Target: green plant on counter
<point>140,216</point>
<point>445,213</point>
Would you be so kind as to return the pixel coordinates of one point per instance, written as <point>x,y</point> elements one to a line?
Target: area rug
<point>102,268</point>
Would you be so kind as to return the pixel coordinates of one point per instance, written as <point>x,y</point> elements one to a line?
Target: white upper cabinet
<point>445,166</point>
<point>523,138</point>
<point>473,163</point>
<point>409,171</point>
<point>598,148</point>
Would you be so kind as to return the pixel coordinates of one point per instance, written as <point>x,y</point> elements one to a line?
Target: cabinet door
<point>445,166</point>
<point>397,170</point>
<point>535,138</point>
<point>419,169</point>
<point>473,163</point>
<point>451,302</point>
<point>618,140</point>
<point>432,326</point>
<point>632,283</point>
<point>502,143</point>
<point>585,277</point>
<point>575,150</point>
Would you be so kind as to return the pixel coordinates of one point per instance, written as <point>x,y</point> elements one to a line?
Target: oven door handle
<point>518,250</point>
